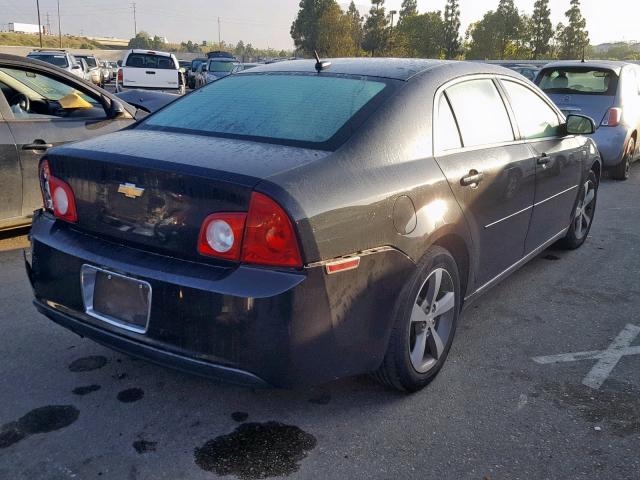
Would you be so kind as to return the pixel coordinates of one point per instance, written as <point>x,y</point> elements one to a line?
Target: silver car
<point>609,93</point>
<point>60,58</point>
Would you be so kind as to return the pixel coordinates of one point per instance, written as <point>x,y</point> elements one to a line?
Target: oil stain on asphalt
<point>240,416</point>
<point>85,390</point>
<point>256,451</point>
<point>144,446</point>
<point>130,395</point>
<point>40,420</point>
<point>86,364</point>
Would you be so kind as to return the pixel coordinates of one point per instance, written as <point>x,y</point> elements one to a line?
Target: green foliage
<point>355,22</point>
<point>48,41</point>
<point>419,36</point>
<point>574,38</point>
<point>451,29</point>
<point>541,29</point>
<point>408,8</point>
<point>143,40</point>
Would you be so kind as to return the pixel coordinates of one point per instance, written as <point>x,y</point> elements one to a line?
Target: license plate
<point>116,299</point>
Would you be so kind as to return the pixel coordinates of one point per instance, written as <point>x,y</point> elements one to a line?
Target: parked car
<point>527,71</point>
<point>246,66</point>
<point>608,92</point>
<point>152,70</point>
<point>86,71</point>
<point>220,54</point>
<point>95,70</point>
<point>191,74</point>
<point>107,74</point>
<point>333,230</point>
<point>214,69</point>
<point>59,58</point>
<point>42,106</point>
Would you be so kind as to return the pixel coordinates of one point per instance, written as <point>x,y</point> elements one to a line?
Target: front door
<point>491,175</point>
<point>558,162</point>
<point>45,111</point>
<point>10,177</point>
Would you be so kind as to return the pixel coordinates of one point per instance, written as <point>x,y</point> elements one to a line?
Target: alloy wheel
<point>584,211</point>
<point>432,319</point>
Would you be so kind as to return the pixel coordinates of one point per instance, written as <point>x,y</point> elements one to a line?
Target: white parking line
<point>607,359</point>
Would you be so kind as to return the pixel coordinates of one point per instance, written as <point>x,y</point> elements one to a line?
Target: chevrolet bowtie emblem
<point>130,190</point>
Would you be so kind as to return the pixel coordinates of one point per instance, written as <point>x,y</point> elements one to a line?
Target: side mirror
<point>117,109</point>
<point>76,67</point>
<point>580,125</point>
<point>119,63</point>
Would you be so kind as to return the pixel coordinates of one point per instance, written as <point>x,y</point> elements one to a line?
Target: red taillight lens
<point>120,75</point>
<point>57,195</point>
<point>612,118</point>
<point>221,235</point>
<point>269,237</point>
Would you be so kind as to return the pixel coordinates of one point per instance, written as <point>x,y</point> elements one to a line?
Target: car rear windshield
<point>578,80</point>
<point>291,109</point>
<point>91,61</point>
<point>218,66</point>
<point>147,60</point>
<point>57,60</point>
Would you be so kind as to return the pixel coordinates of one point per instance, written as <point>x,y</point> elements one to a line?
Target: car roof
<point>150,51</point>
<point>393,68</point>
<point>604,64</point>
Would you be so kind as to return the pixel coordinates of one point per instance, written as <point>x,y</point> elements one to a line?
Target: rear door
<point>46,123</point>
<point>148,70</point>
<point>557,158</point>
<point>10,174</point>
<point>491,175</point>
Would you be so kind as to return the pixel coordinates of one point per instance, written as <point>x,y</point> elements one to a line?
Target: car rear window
<point>578,80</point>
<point>292,109</point>
<point>90,61</point>
<point>220,66</point>
<point>57,60</point>
<point>147,60</point>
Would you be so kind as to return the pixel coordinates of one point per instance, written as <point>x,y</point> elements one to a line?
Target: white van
<point>150,70</point>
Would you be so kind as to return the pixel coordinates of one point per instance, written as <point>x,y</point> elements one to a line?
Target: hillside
<point>51,41</point>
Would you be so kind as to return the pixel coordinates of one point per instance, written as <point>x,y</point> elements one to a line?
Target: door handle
<point>473,179</point>
<point>150,73</point>
<point>37,145</point>
<point>544,159</point>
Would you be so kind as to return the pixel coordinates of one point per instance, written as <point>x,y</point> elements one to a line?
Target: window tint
<point>143,60</point>
<point>57,60</point>
<point>579,80</point>
<point>447,135</point>
<point>481,114</point>
<point>216,66</point>
<point>283,108</point>
<point>535,118</point>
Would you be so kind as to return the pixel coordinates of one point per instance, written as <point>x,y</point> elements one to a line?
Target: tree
<point>375,29</point>
<point>574,37</point>
<point>507,27</point>
<point>451,29</point>
<point>334,34</point>
<point>419,36</point>
<point>239,51</point>
<point>541,29</point>
<point>355,25</point>
<point>483,43</point>
<point>408,9</point>
<point>305,27</point>
<point>141,40</point>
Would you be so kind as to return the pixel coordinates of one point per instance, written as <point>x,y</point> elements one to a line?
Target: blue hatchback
<point>609,93</point>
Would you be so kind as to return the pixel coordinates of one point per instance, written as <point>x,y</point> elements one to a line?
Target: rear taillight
<point>221,235</point>
<point>263,236</point>
<point>57,196</point>
<point>612,118</point>
<point>120,75</point>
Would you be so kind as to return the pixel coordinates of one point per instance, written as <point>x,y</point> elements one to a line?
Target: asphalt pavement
<point>512,402</point>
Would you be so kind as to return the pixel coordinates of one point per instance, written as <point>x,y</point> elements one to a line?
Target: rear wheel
<point>426,318</point>
<point>621,172</point>
<point>583,214</point>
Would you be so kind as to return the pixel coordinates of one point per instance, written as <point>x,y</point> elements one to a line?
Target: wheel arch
<point>457,247</point>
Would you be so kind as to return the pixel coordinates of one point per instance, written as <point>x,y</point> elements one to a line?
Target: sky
<point>266,23</point>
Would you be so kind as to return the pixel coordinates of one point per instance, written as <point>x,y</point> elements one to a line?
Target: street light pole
<point>59,27</point>
<point>39,25</point>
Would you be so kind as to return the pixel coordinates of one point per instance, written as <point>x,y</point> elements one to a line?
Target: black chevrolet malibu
<point>305,221</point>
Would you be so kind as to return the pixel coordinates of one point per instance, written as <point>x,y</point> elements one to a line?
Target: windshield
<point>91,61</point>
<point>144,60</point>
<point>196,63</point>
<point>578,80</point>
<point>57,60</point>
<point>45,87</point>
<point>311,110</point>
<point>218,66</point>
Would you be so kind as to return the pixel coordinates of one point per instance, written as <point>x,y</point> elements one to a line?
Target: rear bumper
<point>175,91</point>
<point>611,142</point>
<point>245,325</point>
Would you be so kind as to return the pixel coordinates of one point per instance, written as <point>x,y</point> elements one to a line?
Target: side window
<point>446,129</point>
<point>33,95</point>
<point>480,112</point>
<point>535,118</point>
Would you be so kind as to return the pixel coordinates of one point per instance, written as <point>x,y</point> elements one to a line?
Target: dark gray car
<point>334,221</point>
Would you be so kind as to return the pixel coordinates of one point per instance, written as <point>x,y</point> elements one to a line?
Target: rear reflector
<point>612,118</point>
<point>343,265</point>
<point>221,235</point>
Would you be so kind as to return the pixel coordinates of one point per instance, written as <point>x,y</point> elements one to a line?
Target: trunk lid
<point>133,77</point>
<point>594,106</point>
<point>158,199</point>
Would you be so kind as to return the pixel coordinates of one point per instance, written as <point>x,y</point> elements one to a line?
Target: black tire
<point>621,171</point>
<point>574,238</point>
<point>397,370</point>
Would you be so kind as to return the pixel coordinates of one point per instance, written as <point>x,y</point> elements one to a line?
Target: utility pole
<point>219,36</point>
<point>48,25</point>
<point>59,27</point>
<point>39,24</point>
<point>135,24</point>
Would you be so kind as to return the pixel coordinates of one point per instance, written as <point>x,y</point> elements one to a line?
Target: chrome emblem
<point>130,190</point>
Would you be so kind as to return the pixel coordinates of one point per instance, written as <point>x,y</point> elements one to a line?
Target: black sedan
<point>334,221</point>
<point>42,106</point>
